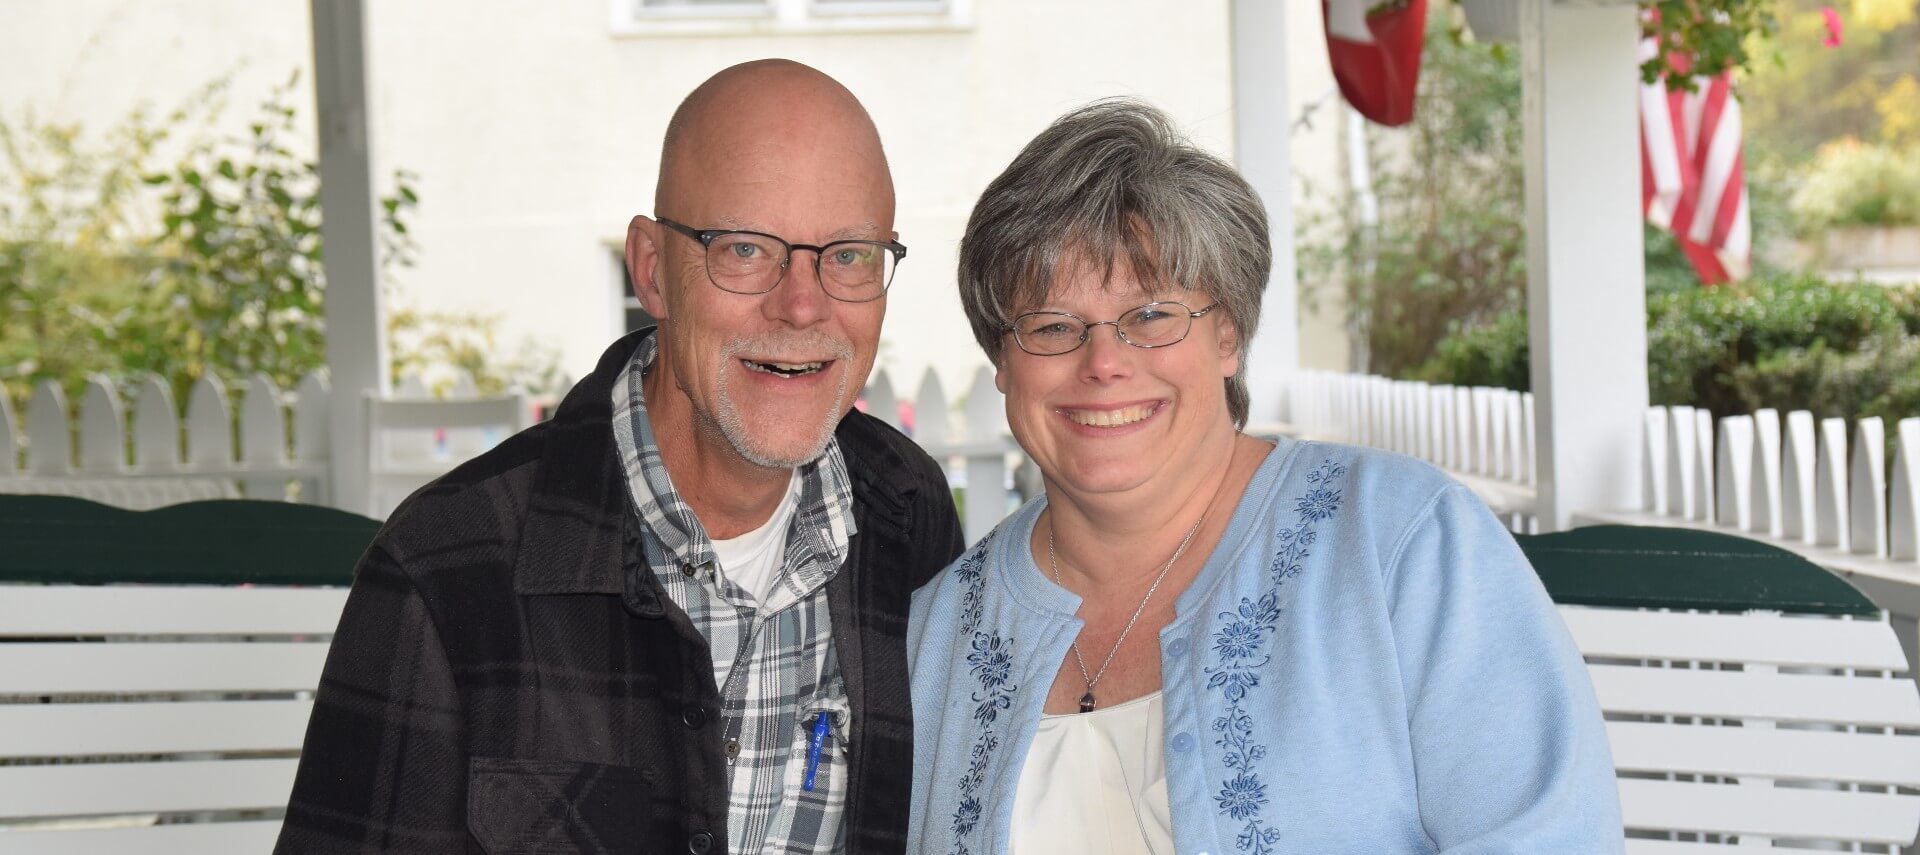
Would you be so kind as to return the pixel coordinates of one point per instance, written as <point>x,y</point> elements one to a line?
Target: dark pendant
<point>1086,701</point>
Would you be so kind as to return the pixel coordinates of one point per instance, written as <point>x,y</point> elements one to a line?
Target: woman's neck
<point>1120,541</point>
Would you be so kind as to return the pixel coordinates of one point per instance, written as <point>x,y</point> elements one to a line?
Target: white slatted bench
<point>156,669</point>
<point>1753,699</point>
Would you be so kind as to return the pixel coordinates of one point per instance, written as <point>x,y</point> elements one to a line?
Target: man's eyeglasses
<point>1153,325</point>
<point>744,262</point>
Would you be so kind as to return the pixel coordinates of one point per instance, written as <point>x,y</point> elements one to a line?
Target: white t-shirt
<point>752,560</point>
<point>1096,783</point>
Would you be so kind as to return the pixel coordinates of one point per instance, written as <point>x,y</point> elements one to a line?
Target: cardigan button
<point>699,842</point>
<point>1182,742</point>
<point>1176,648</point>
<point>694,717</point>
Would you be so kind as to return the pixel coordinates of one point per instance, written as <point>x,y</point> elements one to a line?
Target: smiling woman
<point>1192,628</point>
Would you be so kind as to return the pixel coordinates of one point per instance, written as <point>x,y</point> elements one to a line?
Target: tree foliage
<point>1703,38</point>
<point>1449,248</point>
<point>162,246</point>
<point>1867,87</point>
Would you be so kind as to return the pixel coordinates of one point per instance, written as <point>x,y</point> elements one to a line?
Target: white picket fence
<point>274,446</point>
<point>1819,482</point>
<point>1822,487</point>
<point>969,437</point>
<point>1483,436</point>
<point>1823,482</point>
<point>151,456</point>
<point>1794,478</point>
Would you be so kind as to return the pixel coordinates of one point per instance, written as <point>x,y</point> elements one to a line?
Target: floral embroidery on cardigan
<point>990,662</point>
<point>1239,648</point>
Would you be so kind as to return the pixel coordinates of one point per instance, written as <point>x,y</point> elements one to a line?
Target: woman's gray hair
<point>1116,176</point>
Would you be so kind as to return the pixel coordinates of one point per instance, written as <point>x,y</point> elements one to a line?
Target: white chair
<point>157,669</point>
<point>1753,699</point>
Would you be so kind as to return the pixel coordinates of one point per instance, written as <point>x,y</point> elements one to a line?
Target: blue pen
<point>820,729</point>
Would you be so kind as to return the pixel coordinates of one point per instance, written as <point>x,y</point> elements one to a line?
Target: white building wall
<point>534,128</point>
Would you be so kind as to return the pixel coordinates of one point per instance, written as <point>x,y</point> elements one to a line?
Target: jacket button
<point>1177,648</point>
<point>1182,742</point>
<point>699,842</point>
<point>694,717</point>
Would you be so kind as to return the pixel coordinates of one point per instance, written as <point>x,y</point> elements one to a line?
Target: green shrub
<point>1879,378</point>
<point>1698,339</point>
<point>1492,354</point>
<point>1852,183</point>
<point>1836,349</point>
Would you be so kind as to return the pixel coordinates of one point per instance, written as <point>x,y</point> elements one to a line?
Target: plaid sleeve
<point>383,769</point>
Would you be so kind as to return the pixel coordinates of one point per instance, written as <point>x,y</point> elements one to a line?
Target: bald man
<point>671,619</point>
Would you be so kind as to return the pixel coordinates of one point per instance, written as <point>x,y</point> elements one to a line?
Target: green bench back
<point>1648,567</point>
<point>56,539</point>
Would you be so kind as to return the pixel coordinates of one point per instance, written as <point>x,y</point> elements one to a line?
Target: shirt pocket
<point>548,807</point>
<point>830,767</point>
<point>822,807</point>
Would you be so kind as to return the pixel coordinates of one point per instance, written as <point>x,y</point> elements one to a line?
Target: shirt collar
<point>825,490</point>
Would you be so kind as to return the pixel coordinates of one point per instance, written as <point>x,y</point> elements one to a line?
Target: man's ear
<point>643,265</point>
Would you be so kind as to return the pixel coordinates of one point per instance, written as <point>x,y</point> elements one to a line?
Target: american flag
<point>1693,183</point>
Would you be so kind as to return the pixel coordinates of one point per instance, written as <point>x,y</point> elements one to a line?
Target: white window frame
<point>634,18</point>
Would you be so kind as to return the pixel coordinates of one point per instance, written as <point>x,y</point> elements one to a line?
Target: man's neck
<point>728,494</point>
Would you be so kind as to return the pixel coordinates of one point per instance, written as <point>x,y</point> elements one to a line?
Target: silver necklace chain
<point>1087,700</point>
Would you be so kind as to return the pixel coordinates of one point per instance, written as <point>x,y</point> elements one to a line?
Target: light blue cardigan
<point>1366,663</point>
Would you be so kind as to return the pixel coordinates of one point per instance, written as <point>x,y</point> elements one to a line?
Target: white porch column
<point>356,339</point>
<point>1586,296</point>
<point>1262,141</point>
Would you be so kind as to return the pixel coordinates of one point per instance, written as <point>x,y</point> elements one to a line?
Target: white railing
<point>1817,482</point>
<point>969,437</point>
<point>1483,436</point>
<point>151,456</point>
<point>1820,487</point>
<point>1827,489</point>
<point>273,446</point>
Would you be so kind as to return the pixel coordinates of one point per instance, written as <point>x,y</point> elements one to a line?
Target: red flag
<point>1374,47</point>
<point>1693,181</point>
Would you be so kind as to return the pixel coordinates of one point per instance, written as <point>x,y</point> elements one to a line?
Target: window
<point>703,8</point>
<point>773,17</point>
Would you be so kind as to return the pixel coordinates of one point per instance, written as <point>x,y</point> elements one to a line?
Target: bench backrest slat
<point>1804,755</point>
<point>1794,640</point>
<point>36,611</point>
<point>1813,698</point>
<point>183,839</point>
<point>1776,812</point>
<point>83,730</point>
<point>45,668</point>
<point>137,788</point>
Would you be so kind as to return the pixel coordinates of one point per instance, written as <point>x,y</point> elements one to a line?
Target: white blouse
<point>1096,783</point>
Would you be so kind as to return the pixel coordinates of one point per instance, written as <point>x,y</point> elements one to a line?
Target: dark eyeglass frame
<point>706,237</point>
<point>1086,327</point>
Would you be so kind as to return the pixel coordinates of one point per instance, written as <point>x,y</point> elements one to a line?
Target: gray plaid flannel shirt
<point>774,661</point>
